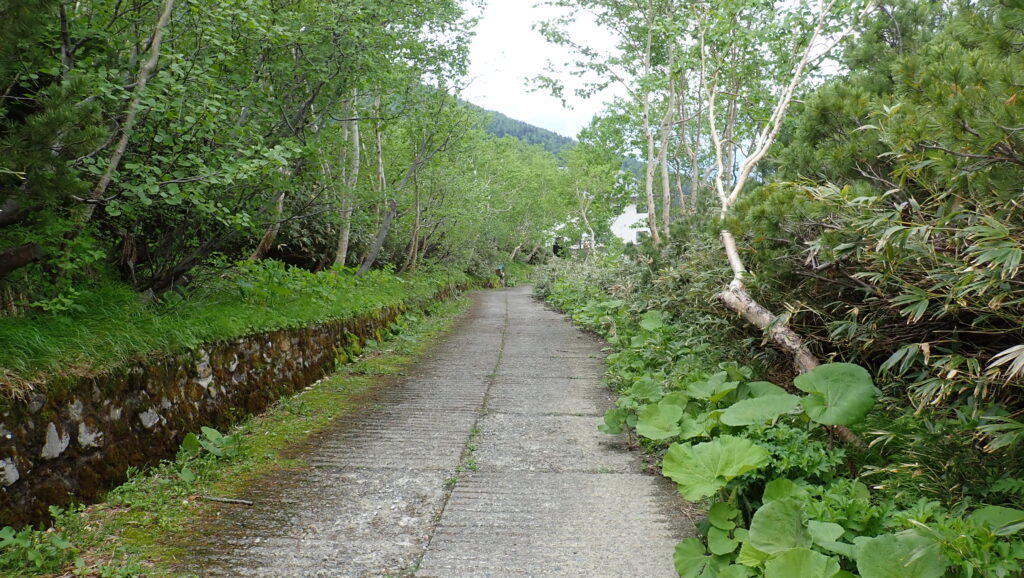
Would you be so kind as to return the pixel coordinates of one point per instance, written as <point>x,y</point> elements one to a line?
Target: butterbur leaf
<point>676,398</point>
<point>735,571</point>
<point>802,563</point>
<point>712,389</point>
<point>719,542</point>
<point>723,515</point>
<point>703,469</point>
<point>824,532</point>
<point>647,389</point>
<point>759,410</point>
<point>782,488</point>
<point>763,389</point>
<point>903,555</point>
<point>751,556</point>
<point>778,526</point>
<point>690,558</point>
<point>693,427</point>
<point>614,420</point>
<point>59,541</point>
<point>840,393</point>
<point>658,421</point>
<point>6,537</point>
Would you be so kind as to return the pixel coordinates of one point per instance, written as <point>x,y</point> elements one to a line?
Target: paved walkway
<point>485,462</point>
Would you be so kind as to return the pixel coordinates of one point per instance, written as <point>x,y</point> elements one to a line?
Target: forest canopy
<point>143,142</point>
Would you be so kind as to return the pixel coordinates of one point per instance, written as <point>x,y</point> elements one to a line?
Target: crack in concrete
<point>467,449</point>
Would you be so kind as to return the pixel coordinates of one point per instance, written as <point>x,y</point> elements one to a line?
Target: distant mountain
<point>500,125</point>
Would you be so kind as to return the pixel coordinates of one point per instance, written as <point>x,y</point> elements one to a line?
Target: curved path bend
<point>483,461</point>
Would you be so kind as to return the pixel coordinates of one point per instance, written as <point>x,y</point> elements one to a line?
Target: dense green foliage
<point>785,494</point>
<point>139,140</point>
<point>160,159</point>
<point>884,227</point>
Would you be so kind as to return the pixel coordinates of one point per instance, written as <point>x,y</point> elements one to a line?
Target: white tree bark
<point>351,130</point>
<point>736,296</point>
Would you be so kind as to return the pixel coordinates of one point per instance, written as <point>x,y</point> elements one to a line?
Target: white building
<point>629,224</point>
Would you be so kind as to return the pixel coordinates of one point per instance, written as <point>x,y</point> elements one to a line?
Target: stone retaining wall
<point>74,445</point>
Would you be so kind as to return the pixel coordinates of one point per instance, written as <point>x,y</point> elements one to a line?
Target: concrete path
<point>485,462</point>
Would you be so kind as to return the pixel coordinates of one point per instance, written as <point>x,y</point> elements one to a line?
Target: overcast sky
<point>506,52</point>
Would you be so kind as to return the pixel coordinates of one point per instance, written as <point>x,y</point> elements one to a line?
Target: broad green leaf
<point>840,393</point>
<point>1002,521</point>
<point>190,445</point>
<point>693,427</point>
<point>751,556</point>
<point>647,389</point>
<point>764,388</point>
<point>705,468</point>
<point>802,563</point>
<point>759,410</point>
<point>658,422</point>
<point>676,398</point>
<point>690,558</point>
<point>614,420</point>
<point>719,542</point>
<point>903,555</point>
<point>187,475</point>
<point>723,515</point>
<point>713,389</point>
<point>212,448</point>
<point>782,488</point>
<point>212,434</point>
<point>735,571</point>
<point>824,532</point>
<point>778,526</point>
<point>652,320</point>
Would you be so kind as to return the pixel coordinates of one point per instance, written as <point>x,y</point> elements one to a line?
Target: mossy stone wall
<point>75,445</point>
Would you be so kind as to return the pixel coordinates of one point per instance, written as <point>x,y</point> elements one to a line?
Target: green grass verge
<point>145,524</point>
<point>116,325</point>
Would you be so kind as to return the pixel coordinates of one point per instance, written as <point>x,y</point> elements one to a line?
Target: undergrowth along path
<point>485,460</point>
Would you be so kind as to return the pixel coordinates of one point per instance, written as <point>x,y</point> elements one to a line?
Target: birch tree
<point>815,29</point>
<point>641,66</point>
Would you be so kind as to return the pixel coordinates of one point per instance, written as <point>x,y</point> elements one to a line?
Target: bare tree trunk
<point>128,126</point>
<point>666,183</point>
<point>652,213</point>
<point>378,240</point>
<point>736,296</point>
<point>414,244</point>
<point>739,300</point>
<point>533,252</point>
<point>590,231</point>
<point>350,184</point>
<point>379,144</point>
<point>681,193</point>
<point>271,234</point>
<point>512,256</point>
